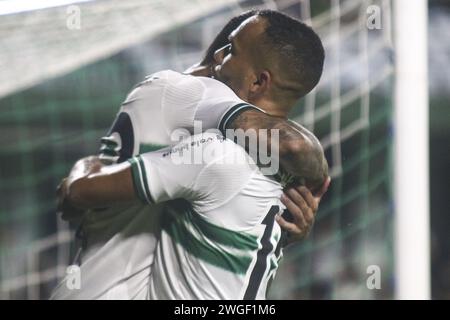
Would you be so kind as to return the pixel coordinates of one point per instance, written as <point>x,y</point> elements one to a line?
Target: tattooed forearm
<point>300,152</point>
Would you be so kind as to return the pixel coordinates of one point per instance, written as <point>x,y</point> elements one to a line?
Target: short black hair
<point>222,37</point>
<point>299,51</point>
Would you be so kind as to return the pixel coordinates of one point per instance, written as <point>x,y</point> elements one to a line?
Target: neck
<point>271,108</point>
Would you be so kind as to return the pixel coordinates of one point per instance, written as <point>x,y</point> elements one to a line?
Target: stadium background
<point>58,97</point>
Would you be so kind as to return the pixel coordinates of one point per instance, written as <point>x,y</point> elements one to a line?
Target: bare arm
<point>92,185</point>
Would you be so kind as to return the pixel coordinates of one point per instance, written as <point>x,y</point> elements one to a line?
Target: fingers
<point>295,233</point>
<point>296,205</point>
<point>311,202</point>
<point>287,226</point>
<point>324,188</point>
<point>303,210</point>
<point>68,212</point>
<point>303,206</point>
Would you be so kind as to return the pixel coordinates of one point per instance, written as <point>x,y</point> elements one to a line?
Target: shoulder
<point>151,85</point>
<point>180,80</point>
<point>164,75</point>
<point>219,88</point>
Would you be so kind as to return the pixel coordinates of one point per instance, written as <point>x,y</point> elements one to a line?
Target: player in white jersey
<point>138,127</point>
<point>219,236</point>
<point>222,244</point>
<point>121,239</point>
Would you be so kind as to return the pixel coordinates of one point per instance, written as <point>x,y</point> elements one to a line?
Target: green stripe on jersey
<point>138,180</point>
<point>144,179</point>
<point>149,147</point>
<point>231,114</point>
<point>202,249</point>
<point>227,237</point>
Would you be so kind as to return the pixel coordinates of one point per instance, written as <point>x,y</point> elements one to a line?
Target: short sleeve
<point>204,169</point>
<point>157,177</point>
<point>198,104</point>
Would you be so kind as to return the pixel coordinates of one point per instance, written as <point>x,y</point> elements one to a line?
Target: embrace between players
<point>152,224</point>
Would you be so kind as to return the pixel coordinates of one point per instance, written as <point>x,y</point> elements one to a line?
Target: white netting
<point>40,44</point>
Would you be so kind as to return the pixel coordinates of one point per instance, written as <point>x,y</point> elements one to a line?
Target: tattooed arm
<point>300,152</point>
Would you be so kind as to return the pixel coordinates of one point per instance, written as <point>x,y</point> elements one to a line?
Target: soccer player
<point>139,124</point>
<point>219,236</point>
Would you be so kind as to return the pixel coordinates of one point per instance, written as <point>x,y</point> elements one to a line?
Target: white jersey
<point>222,241</point>
<point>118,243</point>
<point>164,102</point>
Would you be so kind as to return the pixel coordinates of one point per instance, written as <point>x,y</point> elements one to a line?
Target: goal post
<point>411,186</point>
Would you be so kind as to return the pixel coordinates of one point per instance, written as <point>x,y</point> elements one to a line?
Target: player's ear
<point>260,84</point>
